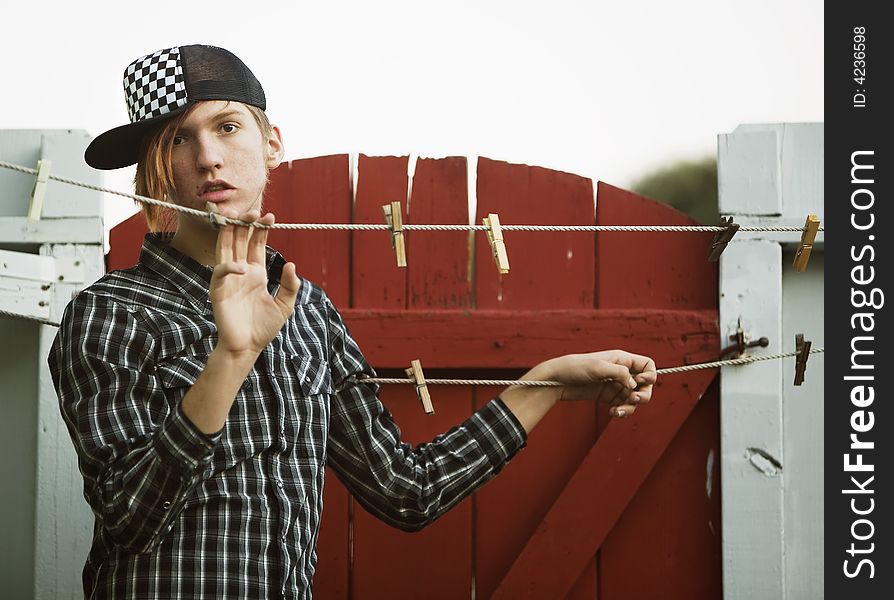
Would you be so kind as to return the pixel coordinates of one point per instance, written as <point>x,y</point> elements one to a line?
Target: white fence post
<point>46,522</point>
<point>771,432</point>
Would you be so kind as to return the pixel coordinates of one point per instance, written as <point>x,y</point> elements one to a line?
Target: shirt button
<point>280,484</point>
<point>166,505</point>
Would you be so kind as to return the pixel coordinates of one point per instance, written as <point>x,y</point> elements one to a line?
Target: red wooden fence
<point>592,508</point>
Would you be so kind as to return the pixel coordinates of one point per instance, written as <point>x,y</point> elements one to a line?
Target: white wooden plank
<point>88,264</point>
<point>772,169</point>
<point>21,147</point>
<point>63,519</point>
<point>22,265</point>
<point>803,155</point>
<point>802,302</point>
<point>25,297</point>
<point>21,230</point>
<point>748,174</point>
<point>771,431</point>
<point>752,458</point>
<point>66,149</point>
<point>51,526</point>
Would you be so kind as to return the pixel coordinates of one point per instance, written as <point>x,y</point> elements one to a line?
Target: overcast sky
<point>607,90</point>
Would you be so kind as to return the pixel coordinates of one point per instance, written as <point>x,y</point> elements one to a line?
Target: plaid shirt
<point>180,514</point>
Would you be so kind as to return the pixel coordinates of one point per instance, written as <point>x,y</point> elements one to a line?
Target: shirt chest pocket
<point>312,375</point>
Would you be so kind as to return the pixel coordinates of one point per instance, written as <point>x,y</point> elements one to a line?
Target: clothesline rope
<point>538,383</point>
<point>207,215</point>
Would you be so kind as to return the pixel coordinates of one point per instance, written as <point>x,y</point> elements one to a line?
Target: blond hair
<point>154,177</point>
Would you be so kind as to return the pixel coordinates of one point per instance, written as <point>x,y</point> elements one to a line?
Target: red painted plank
<point>279,200</point>
<point>125,241</point>
<point>520,339</point>
<point>683,552</point>
<point>598,493</point>
<point>510,506</point>
<point>685,279</point>
<point>315,190</point>
<point>658,270</point>
<point>438,269</point>
<point>377,281</point>
<point>333,544</point>
<point>547,269</point>
<point>437,562</point>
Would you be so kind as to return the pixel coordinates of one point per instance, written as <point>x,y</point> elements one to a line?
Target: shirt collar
<point>189,276</point>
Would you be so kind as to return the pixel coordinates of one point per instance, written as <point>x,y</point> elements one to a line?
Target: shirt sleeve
<point>404,486</point>
<point>140,456</point>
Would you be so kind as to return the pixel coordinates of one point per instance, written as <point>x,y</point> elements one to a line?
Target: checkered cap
<point>153,85</point>
<point>161,85</point>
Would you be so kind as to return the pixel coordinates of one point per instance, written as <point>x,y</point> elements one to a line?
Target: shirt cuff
<point>182,445</point>
<point>498,432</point>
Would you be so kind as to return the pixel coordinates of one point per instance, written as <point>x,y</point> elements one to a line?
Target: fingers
<point>224,250</point>
<point>258,242</point>
<point>620,379</point>
<point>287,293</point>
<point>622,411</point>
<point>242,235</point>
<point>644,367</point>
<point>619,373</point>
<point>237,242</point>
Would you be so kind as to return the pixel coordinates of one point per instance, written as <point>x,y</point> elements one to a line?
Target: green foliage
<point>688,186</point>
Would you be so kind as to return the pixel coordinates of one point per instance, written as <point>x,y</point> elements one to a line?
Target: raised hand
<point>247,316</point>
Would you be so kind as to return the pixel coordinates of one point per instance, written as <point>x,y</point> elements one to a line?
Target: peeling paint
<point>709,470</point>
<point>763,461</point>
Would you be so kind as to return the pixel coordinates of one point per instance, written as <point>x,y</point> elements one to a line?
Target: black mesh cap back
<point>212,73</point>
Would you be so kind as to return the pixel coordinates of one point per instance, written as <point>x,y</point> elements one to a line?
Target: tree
<point>688,186</point>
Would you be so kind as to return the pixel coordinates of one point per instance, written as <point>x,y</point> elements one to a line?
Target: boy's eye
<point>178,139</point>
<point>228,127</point>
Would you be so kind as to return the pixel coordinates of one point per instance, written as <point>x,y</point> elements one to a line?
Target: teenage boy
<point>206,388</point>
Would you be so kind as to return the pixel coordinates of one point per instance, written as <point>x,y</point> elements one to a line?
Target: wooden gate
<point>592,508</point>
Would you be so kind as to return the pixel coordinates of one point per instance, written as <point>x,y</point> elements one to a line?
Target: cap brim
<point>120,147</point>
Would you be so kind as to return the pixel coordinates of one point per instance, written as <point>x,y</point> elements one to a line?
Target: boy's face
<point>220,156</point>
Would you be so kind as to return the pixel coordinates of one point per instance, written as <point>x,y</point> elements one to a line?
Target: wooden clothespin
<point>415,373</point>
<point>39,190</point>
<point>802,347</point>
<point>498,246</point>
<point>394,220</point>
<point>214,216</point>
<point>722,238</point>
<point>807,237</point>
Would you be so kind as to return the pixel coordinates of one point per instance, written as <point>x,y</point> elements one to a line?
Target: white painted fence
<point>771,431</point>
<point>46,524</point>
